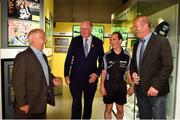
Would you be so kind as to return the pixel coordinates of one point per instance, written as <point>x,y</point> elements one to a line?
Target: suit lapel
<point>91,46</point>
<point>148,47</point>
<point>82,47</point>
<point>36,59</point>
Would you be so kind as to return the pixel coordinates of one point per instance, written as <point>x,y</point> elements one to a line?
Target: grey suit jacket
<point>156,65</point>
<point>30,83</point>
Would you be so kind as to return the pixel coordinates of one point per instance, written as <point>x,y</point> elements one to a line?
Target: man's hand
<point>24,108</point>
<point>130,90</point>
<point>67,80</point>
<point>136,78</point>
<point>102,90</point>
<point>56,82</point>
<point>152,91</point>
<point>92,78</point>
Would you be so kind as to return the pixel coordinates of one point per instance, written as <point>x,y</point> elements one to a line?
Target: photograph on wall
<point>18,31</point>
<point>11,94</point>
<point>24,9</point>
<point>48,33</point>
<point>60,49</point>
<point>10,68</point>
<point>98,31</point>
<point>61,41</point>
<point>121,30</point>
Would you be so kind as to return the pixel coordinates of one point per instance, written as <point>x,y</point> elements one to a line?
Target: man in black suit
<point>151,67</point>
<point>81,71</point>
<point>32,80</point>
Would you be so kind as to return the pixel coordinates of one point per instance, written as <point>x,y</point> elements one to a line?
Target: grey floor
<point>62,110</point>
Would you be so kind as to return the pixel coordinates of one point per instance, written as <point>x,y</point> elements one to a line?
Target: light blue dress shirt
<point>146,38</point>
<point>39,55</point>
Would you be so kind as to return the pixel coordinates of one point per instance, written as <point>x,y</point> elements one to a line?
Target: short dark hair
<point>119,35</point>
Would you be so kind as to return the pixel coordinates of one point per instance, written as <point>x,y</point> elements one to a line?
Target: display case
<point>98,31</point>
<point>7,88</point>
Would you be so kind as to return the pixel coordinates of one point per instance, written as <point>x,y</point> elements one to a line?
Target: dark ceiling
<point>148,7</point>
<point>98,11</point>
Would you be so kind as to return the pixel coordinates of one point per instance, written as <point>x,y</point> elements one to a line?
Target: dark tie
<point>141,53</point>
<point>86,48</point>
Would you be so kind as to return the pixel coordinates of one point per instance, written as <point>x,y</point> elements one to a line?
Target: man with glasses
<point>81,72</point>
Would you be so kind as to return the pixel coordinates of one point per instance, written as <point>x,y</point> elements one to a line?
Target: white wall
<point>170,15</point>
<point>0,68</point>
<point>177,108</point>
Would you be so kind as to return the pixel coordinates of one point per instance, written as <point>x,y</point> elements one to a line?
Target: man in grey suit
<point>33,82</point>
<point>151,67</point>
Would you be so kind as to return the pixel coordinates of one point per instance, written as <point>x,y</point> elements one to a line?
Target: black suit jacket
<point>77,66</point>
<point>156,65</point>
<point>29,82</point>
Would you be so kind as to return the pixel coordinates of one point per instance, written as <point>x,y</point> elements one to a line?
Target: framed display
<point>23,15</point>
<point>24,9</point>
<point>49,31</point>
<point>18,31</point>
<point>121,30</point>
<point>98,31</point>
<point>60,49</point>
<point>10,69</point>
<point>133,41</point>
<point>76,30</point>
<point>11,95</point>
<point>61,41</point>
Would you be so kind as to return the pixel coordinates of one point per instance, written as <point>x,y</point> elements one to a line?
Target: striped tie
<point>141,54</point>
<point>86,48</point>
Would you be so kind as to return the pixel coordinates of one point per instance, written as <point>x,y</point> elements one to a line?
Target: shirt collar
<point>122,51</point>
<point>89,38</point>
<point>147,37</point>
<point>36,51</point>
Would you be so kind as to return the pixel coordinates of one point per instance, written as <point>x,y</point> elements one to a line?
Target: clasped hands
<point>92,78</point>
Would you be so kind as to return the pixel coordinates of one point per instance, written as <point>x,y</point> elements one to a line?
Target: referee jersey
<point>116,65</point>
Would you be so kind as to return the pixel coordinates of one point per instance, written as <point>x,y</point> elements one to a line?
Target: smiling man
<point>32,79</point>
<point>81,71</point>
<point>113,86</point>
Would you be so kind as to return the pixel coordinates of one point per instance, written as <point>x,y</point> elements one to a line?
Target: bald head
<point>86,29</point>
<point>142,26</point>
<point>36,38</point>
<point>144,20</point>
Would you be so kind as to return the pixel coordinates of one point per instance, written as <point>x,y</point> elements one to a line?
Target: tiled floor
<point>62,110</point>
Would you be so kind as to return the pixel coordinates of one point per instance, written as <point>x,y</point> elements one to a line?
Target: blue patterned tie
<point>141,51</point>
<point>141,54</point>
<point>86,48</point>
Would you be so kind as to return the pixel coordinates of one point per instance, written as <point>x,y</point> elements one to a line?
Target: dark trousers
<point>21,115</point>
<point>151,107</point>
<point>76,92</point>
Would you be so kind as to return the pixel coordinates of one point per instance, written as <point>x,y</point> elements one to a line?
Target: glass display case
<point>98,31</point>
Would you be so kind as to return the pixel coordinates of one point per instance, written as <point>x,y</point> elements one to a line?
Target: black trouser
<point>76,92</point>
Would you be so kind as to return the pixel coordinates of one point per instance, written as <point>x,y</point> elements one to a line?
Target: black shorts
<point>116,92</point>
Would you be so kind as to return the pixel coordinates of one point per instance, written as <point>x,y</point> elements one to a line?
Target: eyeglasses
<point>84,28</point>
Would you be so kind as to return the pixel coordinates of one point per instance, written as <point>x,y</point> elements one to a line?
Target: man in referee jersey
<point>113,86</point>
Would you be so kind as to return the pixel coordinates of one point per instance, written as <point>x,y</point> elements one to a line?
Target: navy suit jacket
<point>156,65</point>
<point>77,66</point>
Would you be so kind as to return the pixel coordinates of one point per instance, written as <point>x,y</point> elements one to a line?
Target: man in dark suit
<point>33,82</point>
<point>81,71</point>
<point>151,67</point>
